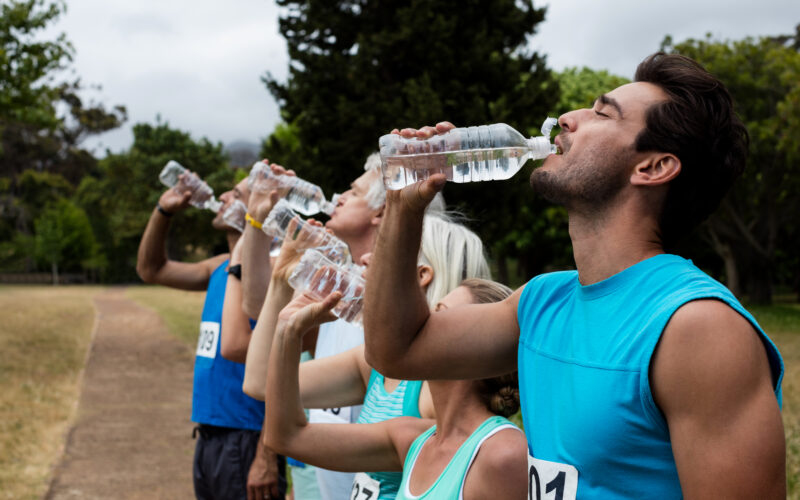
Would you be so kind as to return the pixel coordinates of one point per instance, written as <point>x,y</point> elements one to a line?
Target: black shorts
<point>222,459</point>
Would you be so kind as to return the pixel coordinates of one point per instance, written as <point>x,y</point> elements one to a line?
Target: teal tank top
<point>450,484</point>
<point>379,406</point>
<point>584,358</point>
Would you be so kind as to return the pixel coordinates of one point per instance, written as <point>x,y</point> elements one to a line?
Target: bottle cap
<point>214,205</point>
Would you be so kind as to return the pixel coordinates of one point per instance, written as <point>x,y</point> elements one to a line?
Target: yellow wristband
<point>252,221</point>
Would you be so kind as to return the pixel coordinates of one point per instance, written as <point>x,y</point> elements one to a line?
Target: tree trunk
<point>759,282</point>
<point>502,267</point>
<point>55,273</point>
<point>733,281</point>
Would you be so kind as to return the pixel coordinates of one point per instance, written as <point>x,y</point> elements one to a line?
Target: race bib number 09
<point>365,488</point>
<point>551,480</point>
<point>207,341</point>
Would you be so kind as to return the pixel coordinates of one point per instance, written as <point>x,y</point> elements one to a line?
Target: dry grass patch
<point>44,336</point>
<point>179,309</point>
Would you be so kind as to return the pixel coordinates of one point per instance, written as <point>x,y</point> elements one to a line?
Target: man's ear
<point>656,169</point>
<point>424,276</point>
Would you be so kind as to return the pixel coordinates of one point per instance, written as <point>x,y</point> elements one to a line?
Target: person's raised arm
<point>403,338</point>
<point>255,252</point>
<point>152,263</point>
<point>712,380</point>
<point>344,447</point>
<point>236,332</point>
<point>279,293</point>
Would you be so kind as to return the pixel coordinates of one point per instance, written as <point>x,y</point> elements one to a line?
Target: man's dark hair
<point>697,124</point>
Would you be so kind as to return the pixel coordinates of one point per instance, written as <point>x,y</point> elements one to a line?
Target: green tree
<point>757,216</point>
<point>122,196</point>
<point>42,120</point>
<point>361,68</point>
<point>64,237</point>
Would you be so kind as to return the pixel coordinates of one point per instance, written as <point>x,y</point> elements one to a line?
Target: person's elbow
<point>236,352</point>
<point>252,388</point>
<point>148,274</point>
<point>385,363</point>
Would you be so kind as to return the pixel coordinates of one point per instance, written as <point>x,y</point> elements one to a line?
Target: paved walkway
<point>132,435</point>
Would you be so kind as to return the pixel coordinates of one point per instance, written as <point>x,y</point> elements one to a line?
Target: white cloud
<point>199,63</point>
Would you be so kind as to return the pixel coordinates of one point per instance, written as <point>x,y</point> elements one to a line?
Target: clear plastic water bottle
<point>318,277</point>
<point>275,246</point>
<point>304,197</point>
<point>202,194</point>
<point>469,154</point>
<point>234,215</point>
<point>277,223</point>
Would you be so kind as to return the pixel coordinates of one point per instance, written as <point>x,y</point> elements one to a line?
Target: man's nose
<point>568,121</point>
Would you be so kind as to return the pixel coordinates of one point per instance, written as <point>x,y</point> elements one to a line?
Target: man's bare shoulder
<point>708,349</point>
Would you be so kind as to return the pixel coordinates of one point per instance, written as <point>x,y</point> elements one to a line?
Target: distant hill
<point>242,153</point>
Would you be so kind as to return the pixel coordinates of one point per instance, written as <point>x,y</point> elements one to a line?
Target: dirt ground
<point>132,437</point>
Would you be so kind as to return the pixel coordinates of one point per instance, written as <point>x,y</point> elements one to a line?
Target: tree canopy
<point>758,217</point>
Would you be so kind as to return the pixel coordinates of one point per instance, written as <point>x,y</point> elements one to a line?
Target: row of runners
<point>637,374</point>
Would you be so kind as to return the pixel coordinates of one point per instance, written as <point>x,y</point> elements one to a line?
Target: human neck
<point>606,243</point>
<point>232,237</point>
<point>361,244</point>
<point>458,408</point>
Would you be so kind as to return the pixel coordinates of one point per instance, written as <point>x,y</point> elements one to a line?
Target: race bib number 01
<point>207,342</point>
<point>365,488</point>
<point>551,480</point>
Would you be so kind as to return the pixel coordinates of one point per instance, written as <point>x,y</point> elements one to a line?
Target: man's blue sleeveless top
<point>584,358</point>
<point>217,397</point>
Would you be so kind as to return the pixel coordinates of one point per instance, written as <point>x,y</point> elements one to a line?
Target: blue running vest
<point>217,397</point>
<point>584,356</point>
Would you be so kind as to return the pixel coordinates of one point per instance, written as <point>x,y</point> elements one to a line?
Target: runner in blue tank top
<point>640,376</point>
<point>446,461</point>
<point>229,461</point>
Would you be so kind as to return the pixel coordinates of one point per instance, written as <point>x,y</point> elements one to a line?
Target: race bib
<point>365,488</point>
<point>207,341</point>
<point>330,415</point>
<point>551,480</point>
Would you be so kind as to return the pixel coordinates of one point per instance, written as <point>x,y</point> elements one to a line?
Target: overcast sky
<point>198,63</point>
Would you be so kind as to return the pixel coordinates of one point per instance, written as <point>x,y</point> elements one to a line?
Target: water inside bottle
<point>318,277</point>
<point>489,164</point>
<point>202,194</point>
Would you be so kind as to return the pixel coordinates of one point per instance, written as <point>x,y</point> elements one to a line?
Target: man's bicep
<point>471,341</point>
<point>711,378</point>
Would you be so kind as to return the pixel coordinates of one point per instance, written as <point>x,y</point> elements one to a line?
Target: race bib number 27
<point>551,480</point>
<point>207,341</point>
<point>365,488</point>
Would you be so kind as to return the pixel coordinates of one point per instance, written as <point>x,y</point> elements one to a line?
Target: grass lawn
<point>45,333</point>
<point>44,336</point>
<point>180,310</point>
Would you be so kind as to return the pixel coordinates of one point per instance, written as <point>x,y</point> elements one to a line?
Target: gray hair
<point>453,251</point>
<point>376,195</point>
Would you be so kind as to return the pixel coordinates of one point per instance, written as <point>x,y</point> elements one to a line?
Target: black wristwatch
<point>235,271</point>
